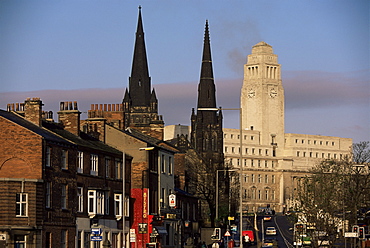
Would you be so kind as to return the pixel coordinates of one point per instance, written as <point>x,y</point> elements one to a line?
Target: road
<point>284,234</point>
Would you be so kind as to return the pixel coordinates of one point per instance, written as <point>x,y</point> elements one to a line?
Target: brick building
<point>57,182</point>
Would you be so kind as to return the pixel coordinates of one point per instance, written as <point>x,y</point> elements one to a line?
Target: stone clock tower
<point>262,97</point>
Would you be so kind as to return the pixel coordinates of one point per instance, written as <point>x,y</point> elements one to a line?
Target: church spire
<point>139,82</point>
<point>206,88</point>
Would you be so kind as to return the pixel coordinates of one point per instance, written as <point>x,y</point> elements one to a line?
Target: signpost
<point>351,235</point>
<point>96,238</point>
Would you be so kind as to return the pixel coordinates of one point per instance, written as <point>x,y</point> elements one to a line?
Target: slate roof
<point>84,140</point>
<point>54,132</point>
<point>19,120</point>
<point>151,140</point>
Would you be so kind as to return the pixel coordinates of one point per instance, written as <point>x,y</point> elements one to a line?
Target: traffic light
<point>300,228</point>
<point>216,234</point>
<point>355,229</point>
<point>361,233</point>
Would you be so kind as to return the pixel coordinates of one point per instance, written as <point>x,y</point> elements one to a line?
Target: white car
<point>270,230</point>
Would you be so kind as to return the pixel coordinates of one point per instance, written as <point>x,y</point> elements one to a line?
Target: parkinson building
<point>272,160</point>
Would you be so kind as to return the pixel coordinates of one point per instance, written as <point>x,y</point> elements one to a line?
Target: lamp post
<point>240,164</point>
<point>124,191</point>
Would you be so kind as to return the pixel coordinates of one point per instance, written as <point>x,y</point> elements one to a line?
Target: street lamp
<point>240,164</point>
<point>124,191</point>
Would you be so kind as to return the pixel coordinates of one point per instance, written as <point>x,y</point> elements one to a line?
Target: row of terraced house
<point>62,187</point>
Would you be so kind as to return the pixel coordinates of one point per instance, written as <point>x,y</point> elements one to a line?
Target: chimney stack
<point>33,110</point>
<point>69,117</point>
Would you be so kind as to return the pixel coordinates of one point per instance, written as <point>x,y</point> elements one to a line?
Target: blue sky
<point>82,51</point>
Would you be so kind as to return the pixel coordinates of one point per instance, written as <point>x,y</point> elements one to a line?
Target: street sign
<point>227,234</point>
<point>132,236</point>
<point>172,200</point>
<point>95,230</point>
<point>351,234</point>
<point>96,238</point>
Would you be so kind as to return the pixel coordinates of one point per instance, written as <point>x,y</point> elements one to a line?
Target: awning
<point>161,230</point>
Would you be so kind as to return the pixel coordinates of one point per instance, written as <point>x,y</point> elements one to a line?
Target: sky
<point>80,50</point>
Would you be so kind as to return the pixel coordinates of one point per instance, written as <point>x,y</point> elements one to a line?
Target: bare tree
<point>335,190</point>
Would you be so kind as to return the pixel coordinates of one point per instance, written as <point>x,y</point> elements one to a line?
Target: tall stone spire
<point>207,136</point>
<point>140,104</point>
<point>139,82</point>
<point>206,88</point>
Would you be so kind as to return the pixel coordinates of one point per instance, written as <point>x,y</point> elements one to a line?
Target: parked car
<point>270,230</point>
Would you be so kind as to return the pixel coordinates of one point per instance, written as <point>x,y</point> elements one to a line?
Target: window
<point>118,205</point>
<point>252,163</point>
<point>246,150</point>
<point>106,203</point>
<point>267,152</point>
<point>259,178</point>
<point>272,164</point>
<point>252,137</point>
<point>259,194</point>
<point>225,149</point>
<point>64,159</point>
<point>253,178</point>
<point>96,202</point>
<point>127,206</point>
<point>48,195</point>
<point>297,153</point>
<point>238,162</point>
<point>63,239</point>
<point>163,169</point>
<point>48,156</point>
<point>21,209</point>
<point>245,178</point>
<point>273,178</point>
<point>266,164</point>
<point>238,136</point>
<point>80,166</point>
<point>245,162</point>
<point>118,168</point>
<point>170,164</point>
<point>266,179</point>
<point>80,197</point>
<point>94,165</point>
<point>266,194</point>
<point>48,239</point>
<point>272,194</point>
<point>259,163</point>
<point>63,199</point>
<point>107,167</point>
<point>20,241</point>
<point>231,136</point>
<point>233,149</point>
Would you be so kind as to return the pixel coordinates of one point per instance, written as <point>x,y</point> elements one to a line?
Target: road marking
<point>282,235</point>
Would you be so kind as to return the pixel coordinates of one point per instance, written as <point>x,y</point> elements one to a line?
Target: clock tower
<point>262,96</point>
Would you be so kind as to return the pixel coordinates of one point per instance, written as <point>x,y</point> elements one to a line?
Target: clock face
<point>251,93</point>
<point>273,93</point>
